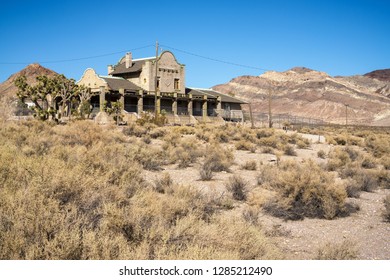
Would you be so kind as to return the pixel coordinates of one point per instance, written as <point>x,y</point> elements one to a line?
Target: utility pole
<point>251,115</point>
<point>269,109</point>
<point>346,114</point>
<point>156,83</point>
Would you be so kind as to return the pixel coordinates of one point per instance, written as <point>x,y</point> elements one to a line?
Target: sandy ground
<point>301,239</point>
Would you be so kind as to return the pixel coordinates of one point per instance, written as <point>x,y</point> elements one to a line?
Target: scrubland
<point>84,191</point>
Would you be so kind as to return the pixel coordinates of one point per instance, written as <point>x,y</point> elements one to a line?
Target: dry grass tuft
<point>343,251</point>
<point>238,187</point>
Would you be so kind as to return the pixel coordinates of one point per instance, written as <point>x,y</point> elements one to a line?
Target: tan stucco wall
<point>168,70</point>
<point>91,79</point>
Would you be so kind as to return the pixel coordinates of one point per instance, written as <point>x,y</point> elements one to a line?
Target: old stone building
<point>141,86</point>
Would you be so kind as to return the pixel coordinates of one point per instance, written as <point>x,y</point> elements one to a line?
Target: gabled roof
<point>215,94</point>
<point>196,92</point>
<point>134,68</point>
<point>116,83</point>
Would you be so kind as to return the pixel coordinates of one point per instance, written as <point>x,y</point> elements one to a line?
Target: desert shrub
<point>268,150</point>
<point>306,191</point>
<point>289,150</point>
<point>352,153</point>
<point>134,130</point>
<point>221,136</point>
<point>79,201</point>
<point>303,143</point>
<point>271,141</point>
<point>249,165</point>
<point>245,145</point>
<point>352,188</point>
<point>163,183</point>
<point>158,132</point>
<point>355,141</point>
<point>340,140</point>
<point>218,158</point>
<point>267,174</point>
<point>203,135</point>
<point>386,211</point>
<point>368,162</point>
<point>238,187</point>
<point>366,181</point>
<point>146,139</point>
<point>205,172</point>
<point>378,144</point>
<point>149,118</point>
<point>321,154</point>
<point>385,161</point>
<point>346,250</point>
<point>383,177</point>
<point>264,133</point>
<point>338,158</point>
<point>251,215</point>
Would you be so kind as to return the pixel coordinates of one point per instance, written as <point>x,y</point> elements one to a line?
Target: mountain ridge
<point>304,92</point>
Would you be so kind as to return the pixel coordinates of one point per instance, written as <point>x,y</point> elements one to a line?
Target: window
<point>177,84</point>
<point>158,82</point>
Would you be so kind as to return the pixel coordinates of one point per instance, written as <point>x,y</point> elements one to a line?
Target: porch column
<point>204,107</point>
<point>140,103</point>
<point>174,104</point>
<point>122,98</point>
<point>190,111</point>
<point>219,104</point>
<point>102,98</point>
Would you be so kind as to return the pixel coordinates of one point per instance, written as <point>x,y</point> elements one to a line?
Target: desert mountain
<point>382,75</point>
<point>8,88</point>
<point>308,93</point>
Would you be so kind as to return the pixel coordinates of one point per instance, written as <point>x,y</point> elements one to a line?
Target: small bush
<point>367,181</point>
<point>218,159</point>
<point>352,189</point>
<point>267,174</point>
<point>163,183</point>
<point>386,212</point>
<point>344,251</point>
<point>321,154</point>
<point>238,187</point>
<point>289,150</point>
<point>303,143</point>
<point>249,165</point>
<point>246,146</point>
<point>268,150</point>
<point>206,173</point>
<point>368,162</point>
<point>305,190</point>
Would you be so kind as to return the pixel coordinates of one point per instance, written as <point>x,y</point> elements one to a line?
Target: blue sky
<point>338,37</point>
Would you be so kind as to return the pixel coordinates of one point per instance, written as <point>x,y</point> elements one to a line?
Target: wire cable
<point>81,58</point>
<point>215,59</point>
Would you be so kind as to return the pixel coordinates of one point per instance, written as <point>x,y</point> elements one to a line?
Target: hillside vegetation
<point>83,191</point>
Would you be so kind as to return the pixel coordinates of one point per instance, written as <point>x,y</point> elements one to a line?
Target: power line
<point>216,60</point>
<point>143,47</point>
<point>80,58</point>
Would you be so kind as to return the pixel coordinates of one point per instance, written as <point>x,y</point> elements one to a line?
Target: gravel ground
<point>301,239</point>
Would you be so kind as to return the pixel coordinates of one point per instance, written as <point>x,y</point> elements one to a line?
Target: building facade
<point>147,84</point>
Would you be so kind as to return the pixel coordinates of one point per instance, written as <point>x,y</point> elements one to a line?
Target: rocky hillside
<point>8,87</point>
<point>308,93</point>
<point>382,75</point>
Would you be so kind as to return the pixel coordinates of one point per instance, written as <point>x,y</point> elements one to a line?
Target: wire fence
<point>282,120</point>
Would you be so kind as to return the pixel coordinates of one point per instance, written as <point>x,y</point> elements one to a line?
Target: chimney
<point>128,60</point>
<point>110,69</point>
